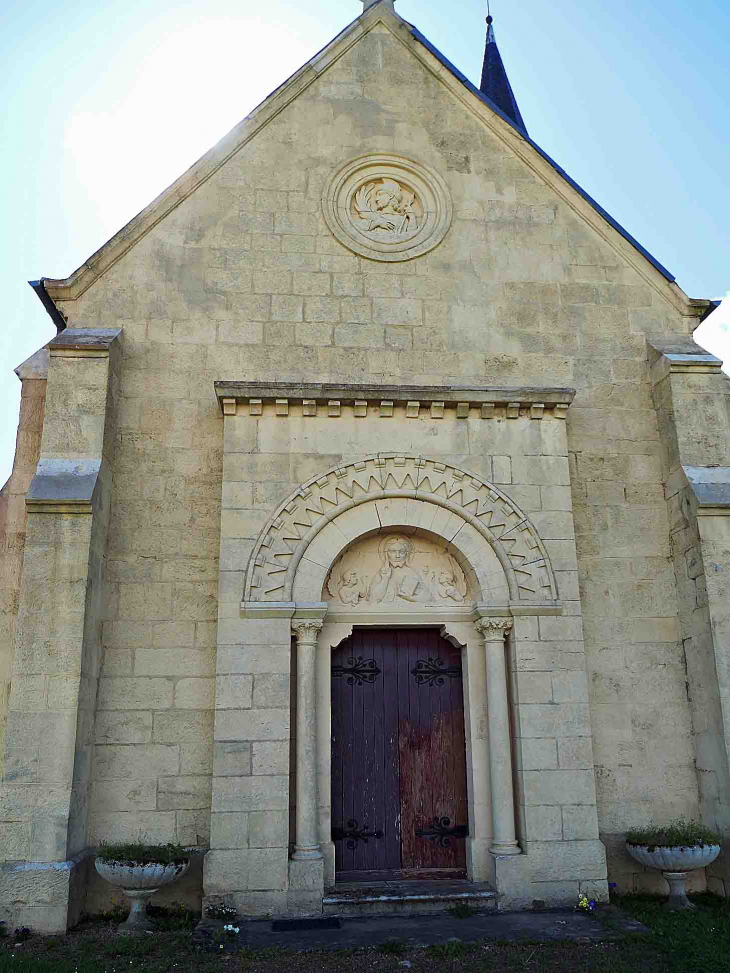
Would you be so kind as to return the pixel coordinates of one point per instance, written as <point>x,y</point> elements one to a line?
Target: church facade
<point>370,520</point>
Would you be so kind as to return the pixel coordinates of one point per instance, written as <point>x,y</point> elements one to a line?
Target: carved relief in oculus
<point>387,208</point>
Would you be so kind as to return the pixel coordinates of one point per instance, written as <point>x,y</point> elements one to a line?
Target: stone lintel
<point>429,397</point>
<point>420,615</point>
<point>283,609</point>
<point>63,486</point>
<point>536,607</point>
<point>267,609</point>
<point>83,342</point>
<point>314,610</point>
<point>711,488</point>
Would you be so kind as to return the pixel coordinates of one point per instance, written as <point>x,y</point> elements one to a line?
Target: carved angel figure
<point>451,582</point>
<point>351,589</point>
<point>386,206</point>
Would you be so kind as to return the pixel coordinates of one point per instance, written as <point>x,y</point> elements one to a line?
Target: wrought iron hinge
<point>358,671</point>
<point>441,832</point>
<point>432,672</point>
<point>353,833</point>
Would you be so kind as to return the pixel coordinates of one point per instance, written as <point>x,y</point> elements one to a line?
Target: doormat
<point>294,925</point>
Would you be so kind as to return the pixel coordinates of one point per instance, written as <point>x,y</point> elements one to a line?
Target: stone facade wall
<point>555,792</point>
<point>244,280</point>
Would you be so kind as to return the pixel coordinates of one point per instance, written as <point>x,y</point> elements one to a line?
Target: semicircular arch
<point>329,511</point>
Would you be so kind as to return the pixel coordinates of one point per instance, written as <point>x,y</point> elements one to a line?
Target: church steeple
<point>495,83</point>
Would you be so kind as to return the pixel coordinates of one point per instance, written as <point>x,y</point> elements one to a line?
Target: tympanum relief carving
<point>396,570</point>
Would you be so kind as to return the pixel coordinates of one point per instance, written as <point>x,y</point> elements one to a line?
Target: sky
<point>105,105</point>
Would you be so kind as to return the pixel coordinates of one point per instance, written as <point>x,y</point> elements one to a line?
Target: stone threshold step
<point>372,898</point>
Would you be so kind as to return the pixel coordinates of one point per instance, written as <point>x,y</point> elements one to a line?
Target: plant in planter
<point>139,870</point>
<point>679,848</point>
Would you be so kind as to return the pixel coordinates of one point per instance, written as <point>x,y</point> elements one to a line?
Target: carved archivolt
<point>325,515</point>
<point>386,207</point>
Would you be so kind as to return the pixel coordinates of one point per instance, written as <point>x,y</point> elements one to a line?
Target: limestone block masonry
<point>370,517</point>
<point>372,362</point>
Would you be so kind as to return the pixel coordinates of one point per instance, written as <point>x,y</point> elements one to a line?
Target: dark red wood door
<point>399,806</point>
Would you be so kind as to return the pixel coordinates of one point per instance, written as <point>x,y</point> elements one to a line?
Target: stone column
<point>306,845</point>
<point>494,631</point>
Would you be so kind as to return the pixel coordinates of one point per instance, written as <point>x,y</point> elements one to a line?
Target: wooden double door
<point>399,806</point>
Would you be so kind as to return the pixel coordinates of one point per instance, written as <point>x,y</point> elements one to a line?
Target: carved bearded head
<point>389,194</point>
<point>397,551</point>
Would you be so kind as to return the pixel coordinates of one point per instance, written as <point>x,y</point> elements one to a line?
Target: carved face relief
<point>397,571</point>
<point>387,208</point>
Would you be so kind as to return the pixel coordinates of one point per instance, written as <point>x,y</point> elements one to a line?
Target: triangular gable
<point>500,125</point>
<point>521,130</point>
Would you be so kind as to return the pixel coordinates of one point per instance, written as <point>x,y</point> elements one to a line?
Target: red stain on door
<point>399,807</point>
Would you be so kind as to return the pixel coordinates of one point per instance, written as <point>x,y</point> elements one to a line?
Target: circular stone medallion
<point>387,208</point>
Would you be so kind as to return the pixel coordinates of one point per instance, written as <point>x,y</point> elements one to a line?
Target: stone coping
<point>84,342</point>
<point>711,487</point>
<point>63,486</point>
<point>34,367</point>
<point>679,353</point>
<point>435,397</point>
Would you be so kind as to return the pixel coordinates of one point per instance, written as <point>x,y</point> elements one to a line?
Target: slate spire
<point>495,83</point>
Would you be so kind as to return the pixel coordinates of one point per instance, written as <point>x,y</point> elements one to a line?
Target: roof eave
<point>48,303</point>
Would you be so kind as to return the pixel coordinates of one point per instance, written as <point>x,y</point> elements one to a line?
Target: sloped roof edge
<point>72,287</point>
<point>523,133</point>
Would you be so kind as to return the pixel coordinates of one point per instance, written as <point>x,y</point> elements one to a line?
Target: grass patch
<point>461,910</point>
<point>392,947</point>
<point>692,942</point>
<point>451,950</point>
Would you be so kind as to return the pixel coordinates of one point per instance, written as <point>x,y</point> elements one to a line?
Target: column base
<point>306,887</point>
<point>312,853</point>
<point>512,881</point>
<point>505,848</point>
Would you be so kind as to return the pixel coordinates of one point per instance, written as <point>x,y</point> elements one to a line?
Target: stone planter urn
<point>674,863</point>
<point>139,881</point>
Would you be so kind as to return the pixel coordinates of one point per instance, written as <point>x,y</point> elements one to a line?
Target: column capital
<point>306,629</point>
<point>493,629</point>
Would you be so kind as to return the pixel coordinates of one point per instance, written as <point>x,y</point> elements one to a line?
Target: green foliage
<point>692,941</point>
<point>393,947</point>
<point>140,853</point>
<point>677,834</point>
<point>218,910</point>
<point>173,917</point>
<point>117,913</point>
<point>461,910</point>
<point>453,949</point>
